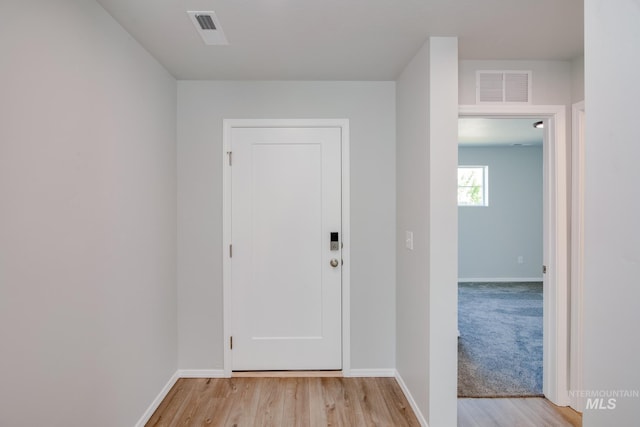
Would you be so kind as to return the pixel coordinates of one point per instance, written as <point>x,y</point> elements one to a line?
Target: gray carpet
<point>500,343</point>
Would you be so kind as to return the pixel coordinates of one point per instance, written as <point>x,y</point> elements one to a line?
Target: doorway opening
<point>500,257</point>
<point>555,237</point>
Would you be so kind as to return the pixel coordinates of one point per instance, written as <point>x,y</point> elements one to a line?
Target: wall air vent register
<point>503,87</point>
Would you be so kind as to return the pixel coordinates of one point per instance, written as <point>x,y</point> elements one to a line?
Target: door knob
<point>334,263</point>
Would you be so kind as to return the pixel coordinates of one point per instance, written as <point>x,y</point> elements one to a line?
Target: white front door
<point>285,277</point>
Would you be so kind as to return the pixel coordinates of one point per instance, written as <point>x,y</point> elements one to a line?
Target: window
<point>473,186</point>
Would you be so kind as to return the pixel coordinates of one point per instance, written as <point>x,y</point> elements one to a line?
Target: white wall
<point>443,218</point>
<point>612,208</point>
<point>87,218</point>
<point>427,117</point>
<point>412,204</point>
<point>370,107</point>
<point>577,79</point>
<point>491,238</point>
<point>551,80</point>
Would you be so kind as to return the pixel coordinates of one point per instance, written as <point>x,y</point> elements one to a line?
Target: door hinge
<point>231,342</point>
<point>230,154</point>
<point>230,251</point>
<point>544,269</point>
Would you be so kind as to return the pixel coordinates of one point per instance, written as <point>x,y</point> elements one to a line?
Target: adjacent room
<point>500,234</point>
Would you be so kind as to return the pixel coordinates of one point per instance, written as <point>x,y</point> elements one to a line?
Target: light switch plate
<point>408,240</point>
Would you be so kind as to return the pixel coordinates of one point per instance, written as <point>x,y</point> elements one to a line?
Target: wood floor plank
<point>337,403</point>
<point>317,410</point>
<point>171,406</point>
<point>507,413</point>
<point>284,402</point>
<point>329,400</point>
<point>399,409</point>
<point>212,396</point>
<point>354,395</point>
<point>490,412</point>
<point>550,414</point>
<point>270,403</point>
<point>198,401</point>
<point>295,410</point>
<point>465,417</point>
<point>367,408</point>
<point>529,411</point>
<point>515,412</point>
<point>376,404</point>
<point>163,409</point>
<point>245,405</point>
<point>352,408</point>
<point>224,396</point>
<point>574,418</point>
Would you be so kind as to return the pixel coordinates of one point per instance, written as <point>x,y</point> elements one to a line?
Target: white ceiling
<point>345,39</point>
<point>496,132</point>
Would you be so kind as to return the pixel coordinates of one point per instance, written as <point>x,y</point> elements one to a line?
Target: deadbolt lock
<point>334,243</point>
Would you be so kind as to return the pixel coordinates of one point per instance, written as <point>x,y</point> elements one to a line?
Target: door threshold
<point>286,374</point>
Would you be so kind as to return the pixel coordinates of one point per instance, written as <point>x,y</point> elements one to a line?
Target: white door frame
<point>577,254</point>
<point>228,125</point>
<point>555,191</point>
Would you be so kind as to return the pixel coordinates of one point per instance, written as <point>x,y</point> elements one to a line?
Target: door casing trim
<point>556,325</point>
<point>228,125</point>
<point>577,255</point>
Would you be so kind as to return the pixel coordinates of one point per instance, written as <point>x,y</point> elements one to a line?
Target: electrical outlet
<point>520,259</point>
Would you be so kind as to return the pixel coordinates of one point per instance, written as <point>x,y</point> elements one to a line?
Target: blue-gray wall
<point>491,239</point>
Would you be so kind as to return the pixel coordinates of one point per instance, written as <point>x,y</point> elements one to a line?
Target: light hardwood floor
<point>280,402</point>
<point>515,412</point>
<point>324,399</point>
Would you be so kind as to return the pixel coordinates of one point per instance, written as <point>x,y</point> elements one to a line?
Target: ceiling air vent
<point>208,27</point>
<point>206,22</point>
<point>503,87</point>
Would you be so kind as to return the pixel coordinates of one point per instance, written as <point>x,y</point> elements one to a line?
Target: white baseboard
<point>157,401</point>
<point>201,373</point>
<point>499,279</point>
<point>412,402</point>
<point>371,373</point>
